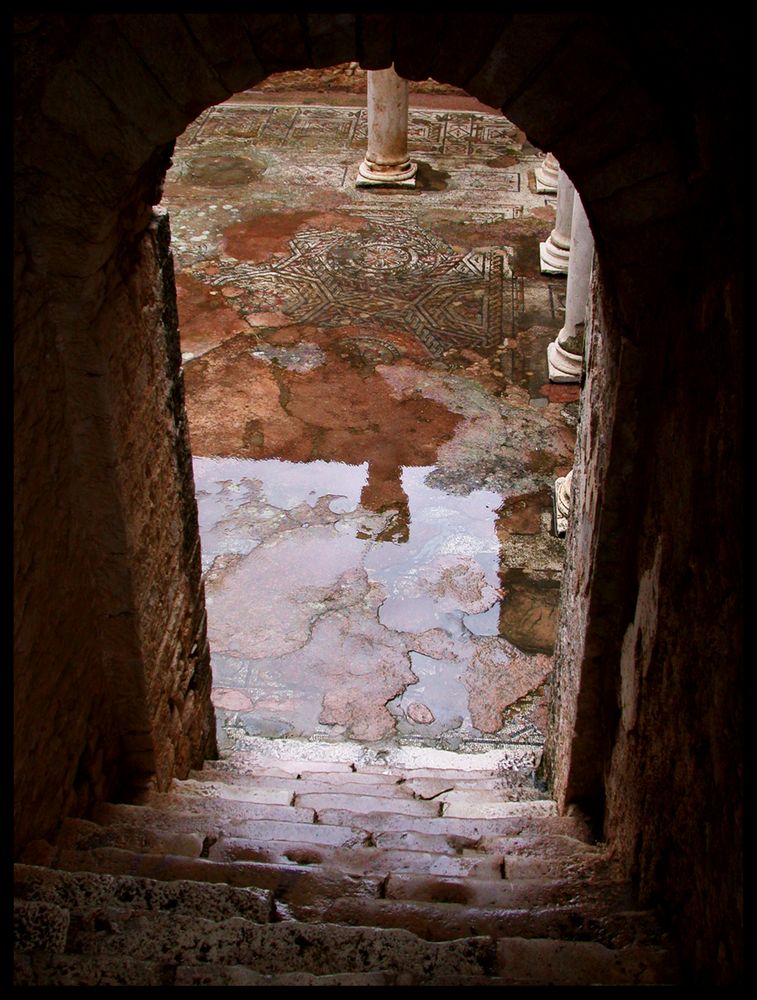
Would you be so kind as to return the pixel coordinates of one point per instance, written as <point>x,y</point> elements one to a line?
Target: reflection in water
<point>358,572</point>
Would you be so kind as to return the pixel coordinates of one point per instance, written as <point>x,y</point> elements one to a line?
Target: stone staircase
<point>315,865</point>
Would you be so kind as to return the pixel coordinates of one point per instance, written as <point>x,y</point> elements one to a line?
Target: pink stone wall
<point>113,676</point>
<point>646,717</point>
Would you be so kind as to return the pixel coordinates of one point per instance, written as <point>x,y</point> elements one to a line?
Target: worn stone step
<point>504,826</point>
<point>44,969</point>
<point>486,805</point>
<point>386,798</point>
<point>321,949</point>
<point>373,783</point>
<point>398,804</point>
<point>275,776</point>
<point>549,962</point>
<point>189,804</point>
<point>260,753</point>
<point>82,834</point>
<point>504,893</point>
<point>532,841</point>
<point>39,925</point>
<point>76,890</point>
<point>289,883</point>
<point>449,921</point>
<point>240,975</point>
<point>360,860</point>
<point>211,825</point>
<point>498,893</point>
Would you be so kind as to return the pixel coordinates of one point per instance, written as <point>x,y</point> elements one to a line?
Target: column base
<point>552,258</point>
<point>561,504</point>
<point>402,177</point>
<point>543,186</point>
<point>563,367</point>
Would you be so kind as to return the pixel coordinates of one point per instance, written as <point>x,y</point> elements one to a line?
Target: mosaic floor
<point>374,436</point>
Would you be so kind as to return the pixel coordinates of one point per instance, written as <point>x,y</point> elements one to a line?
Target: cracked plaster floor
<point>374,436</point>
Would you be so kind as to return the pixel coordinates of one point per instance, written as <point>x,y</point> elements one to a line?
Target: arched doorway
<point>113,647</point>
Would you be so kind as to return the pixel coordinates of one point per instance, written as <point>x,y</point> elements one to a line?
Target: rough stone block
<point>84,970</point>
<point>132,94</point>
<point>279,41</point>
<point>375,40</point>
<point>559,95</point>
<point>573,963</point>
<point>187,77</point>
<point>39,926</point>
<point>84,890</point>
<point>224,39</point>
<point>332,38</point>
<point>416,39</point>
<point>456,64</point>
<point>528,41</point>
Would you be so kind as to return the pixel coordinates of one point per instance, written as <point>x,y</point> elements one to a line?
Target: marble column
<point>554,252</point>
<point>386,163</point>
<point>546,175</point>
<point>565,354</point>
<point>562,503</point>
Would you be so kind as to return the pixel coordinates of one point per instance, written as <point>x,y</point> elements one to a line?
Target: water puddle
<point>322,620</point>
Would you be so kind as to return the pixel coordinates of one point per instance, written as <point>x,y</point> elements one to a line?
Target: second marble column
<point>565,354</point>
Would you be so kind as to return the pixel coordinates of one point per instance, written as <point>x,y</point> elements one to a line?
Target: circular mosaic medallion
<point>404,254</point>
<point>369,350</point>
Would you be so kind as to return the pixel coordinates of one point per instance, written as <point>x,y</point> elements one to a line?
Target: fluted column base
<point>563,366</point>
<point>375,175</point>
<point>553,259</point>
<point>546,175</point>
<point>561,503</point>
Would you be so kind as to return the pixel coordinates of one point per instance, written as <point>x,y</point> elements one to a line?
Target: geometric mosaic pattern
<point>394,273</point>
<point>444,133</point>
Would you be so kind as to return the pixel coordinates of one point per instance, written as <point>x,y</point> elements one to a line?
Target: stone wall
<point>646,718</point>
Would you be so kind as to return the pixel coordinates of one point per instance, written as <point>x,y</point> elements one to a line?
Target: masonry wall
<point>113,676</point>
<point>647,715</point>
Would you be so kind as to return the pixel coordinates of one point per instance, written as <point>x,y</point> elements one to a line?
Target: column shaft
<point>565,354</point>
<point>546,175</point>
<point>386,162</point>
<point>555,251</point>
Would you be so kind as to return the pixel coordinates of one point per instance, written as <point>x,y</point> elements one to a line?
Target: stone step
<point>82,834</point>
<point>131,821</point>
<point>339,827</point>
<point>289,883</point>
<point>509,893</point>
<point>83,970</point>
<point>547,962</point>
<point>149,944</point>
<point>504,826</point>
<point>449,921</point>
<point>485,805</point>
<point>274,776</point>
<point>400,804</point>
<point>76,890</point>
<point>360,860</point>
<point>319,949</point>
<point>169,803</point>
<point>44,969</point>
<point>300,755</point>
<point>396,798</point>
<point>367,784</point>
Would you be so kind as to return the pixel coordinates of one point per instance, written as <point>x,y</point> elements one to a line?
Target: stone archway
<point>110,621</point>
